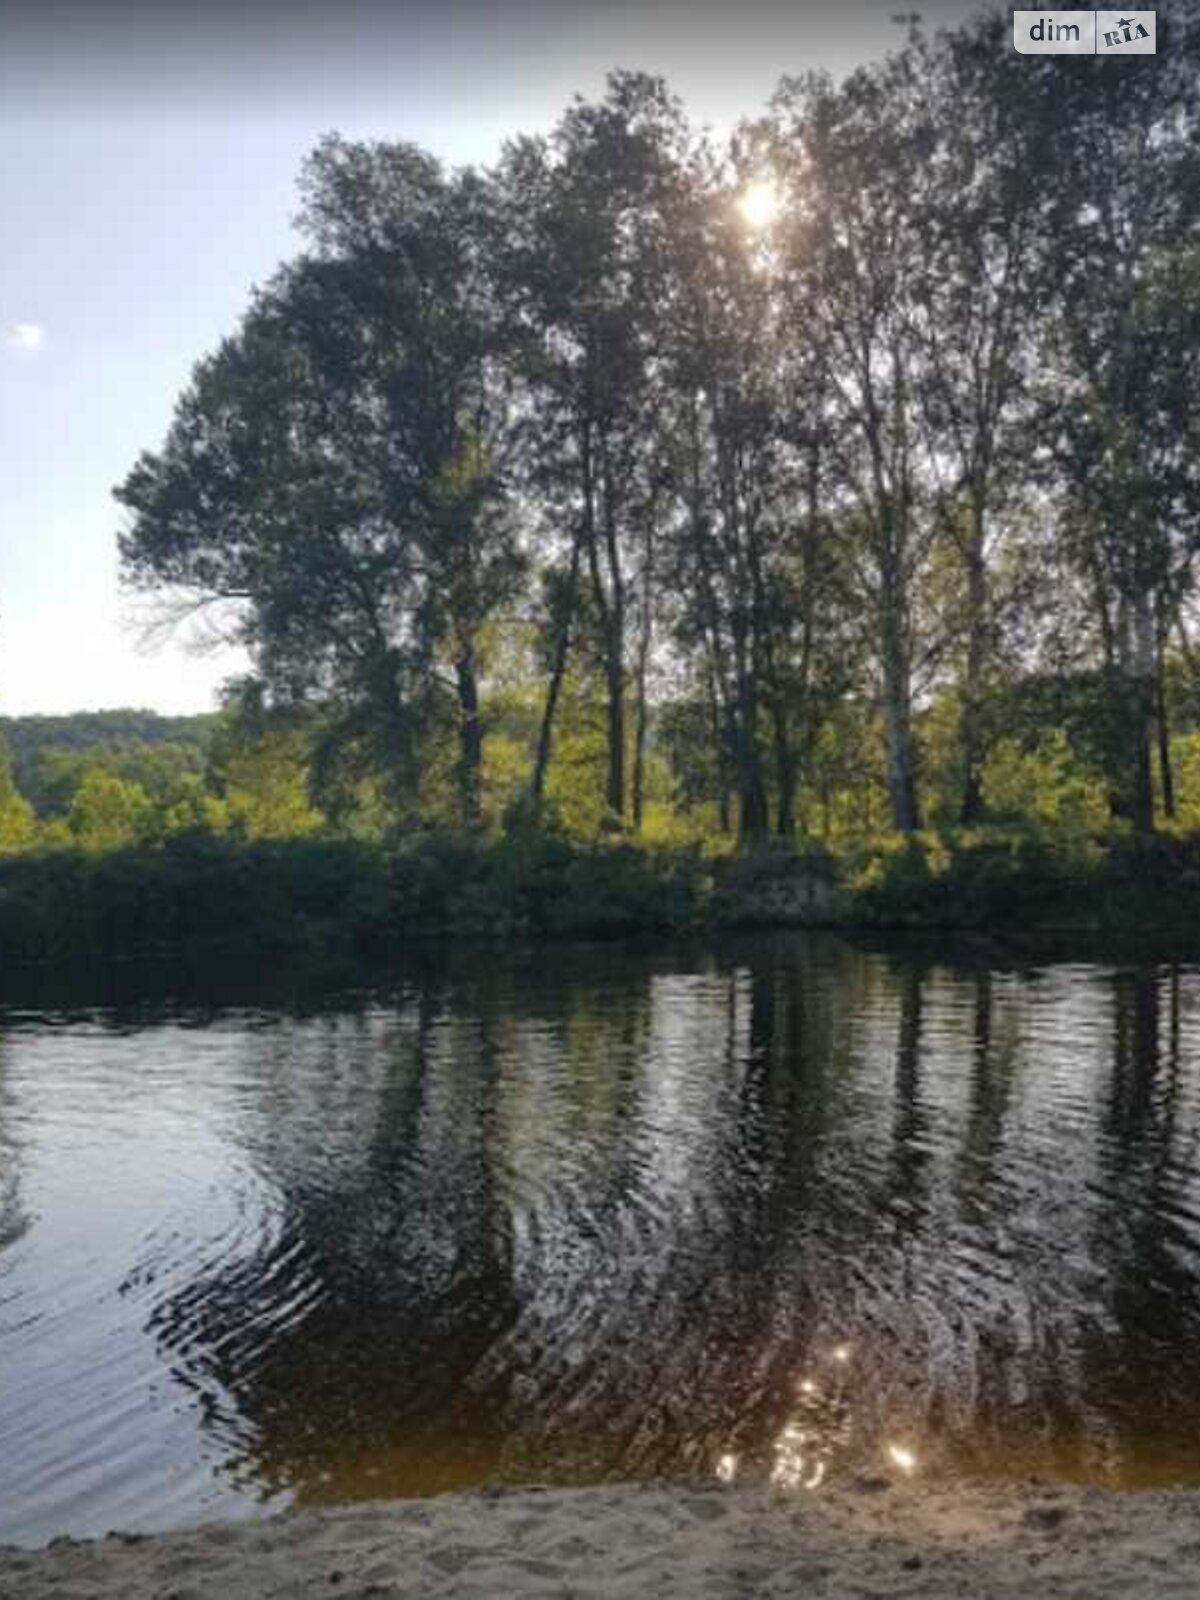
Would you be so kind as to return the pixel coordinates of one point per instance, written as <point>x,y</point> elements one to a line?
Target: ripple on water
<point>786,1208</point>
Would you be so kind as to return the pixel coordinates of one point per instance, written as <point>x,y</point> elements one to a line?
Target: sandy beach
<point>645,1543</point>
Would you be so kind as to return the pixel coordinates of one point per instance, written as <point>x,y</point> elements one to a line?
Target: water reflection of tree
<point>993,1070</point>
<point>754,1306</point>
<point>14,1220</point>
<point>434,1311</point>
<point>601,1222</point>
<point>1146,1236</point>
<point>343,1341</point>
<point>908,1179</point>
<point>603,1346</point>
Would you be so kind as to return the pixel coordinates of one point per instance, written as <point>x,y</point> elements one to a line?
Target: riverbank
<point>626,1543</point>
<point>344,898</point>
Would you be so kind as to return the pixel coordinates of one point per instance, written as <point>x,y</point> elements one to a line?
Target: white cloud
<point>26,336</point>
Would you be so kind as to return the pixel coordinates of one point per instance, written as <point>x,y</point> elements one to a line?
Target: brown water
<point>768,1210</point>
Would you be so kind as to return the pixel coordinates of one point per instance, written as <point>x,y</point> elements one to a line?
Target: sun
<point>759,202</point>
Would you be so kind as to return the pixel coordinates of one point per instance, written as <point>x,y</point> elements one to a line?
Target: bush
<point>973,878</point>
<point>201,893</point>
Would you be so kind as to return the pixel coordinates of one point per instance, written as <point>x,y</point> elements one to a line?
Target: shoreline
<point>872,1537</point>
<point>341,900</point>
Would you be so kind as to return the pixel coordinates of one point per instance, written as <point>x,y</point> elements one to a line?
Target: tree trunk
<point>643,661</point>
<point>558,668</point>
<point>1141,810</point>
<point>610,602</point>
<point>614,677</point>
<point>1161,720</point>
<point>753,820</point>
<point>639,750</point>
<point>1142,695</point>
<point>470,740</point>
<point>897,727</point>
<point>745,623</point>
<point>718,723</point>
<point>785,774</point>
<point>795,749</point>
<point>970,732</point>
<point>891,518</point>
<point>393,738</point>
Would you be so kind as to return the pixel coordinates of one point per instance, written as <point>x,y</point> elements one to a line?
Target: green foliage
<point>1046,783</point>
<point>191,809</point>
<point>107,813</point>
<point>1185,758</point>
<point>16,814</point>
<point>52,755</point>
<point>201,892</point>
<point>165,772</point>
<point>266,788</point>
<point>29,738</point>
<point>198,891</point>
<point>976,878</point>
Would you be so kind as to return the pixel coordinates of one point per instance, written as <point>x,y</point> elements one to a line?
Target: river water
<point>781,1209</point>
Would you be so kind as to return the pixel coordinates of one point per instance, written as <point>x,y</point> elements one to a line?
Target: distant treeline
<point>46,752</point>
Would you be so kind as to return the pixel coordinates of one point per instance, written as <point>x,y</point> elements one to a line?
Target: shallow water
<point>778,1209</point>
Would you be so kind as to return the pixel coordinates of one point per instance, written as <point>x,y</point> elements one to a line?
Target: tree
<point>333,473</point>
<point>981,264</point>
<point>1121,351</point>
<point>826,450</point>
<point>107,813</point>
<point>852,158</point>
<point>726,464</point>
<point>580,262</point>
<point>16,814</point>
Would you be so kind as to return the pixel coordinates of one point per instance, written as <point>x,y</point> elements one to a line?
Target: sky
<point>148,167</point>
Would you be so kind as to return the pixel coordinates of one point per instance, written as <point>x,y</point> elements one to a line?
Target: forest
<point>654,504</point>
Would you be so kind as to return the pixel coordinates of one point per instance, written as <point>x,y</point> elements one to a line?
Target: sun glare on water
<point>759,203</point>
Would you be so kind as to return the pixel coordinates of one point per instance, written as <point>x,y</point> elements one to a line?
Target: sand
<point>647,1543</point>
